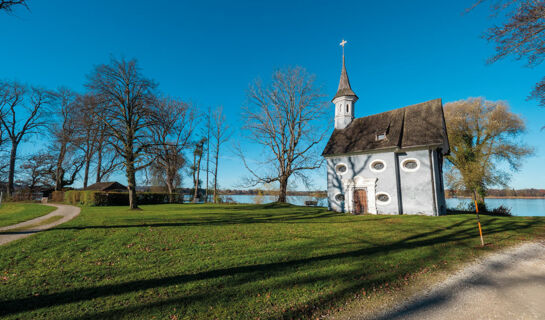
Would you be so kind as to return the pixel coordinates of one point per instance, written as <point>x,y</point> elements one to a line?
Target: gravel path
<point>505,285</point>
<point>30,227</point>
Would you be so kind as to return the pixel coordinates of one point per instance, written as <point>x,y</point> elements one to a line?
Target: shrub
<point>99,198</point>
<point>501,211</point>
<point>57,196</point>
<point>81,197</point>
<point>482,207</point>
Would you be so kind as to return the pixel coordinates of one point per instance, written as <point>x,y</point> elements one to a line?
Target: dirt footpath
<point>27,228</point>
<point>506,285</point>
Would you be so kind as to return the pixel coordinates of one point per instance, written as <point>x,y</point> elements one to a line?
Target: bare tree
<point>70,168</point>
<point>521,34</point>
<point>87,133</point>
<point>63,132</point>
<point>97,140</point>
<point>36,170</point>
<point>482,135</point>
<point>21,116</point>
<point>171,136</point>
<point>2,135</point>
<point>9,5</point>
<point>196,167</point>
<point>220,134</point>
<point>125,98</point>
<point>281,117</point>
<point>208,128</point>
<point>93,139</point>
<point>107,159</point>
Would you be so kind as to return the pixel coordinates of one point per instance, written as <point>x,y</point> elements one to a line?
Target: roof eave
<point>385,149</point>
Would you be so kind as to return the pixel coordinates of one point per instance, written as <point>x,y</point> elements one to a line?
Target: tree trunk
<point>478,196</point>
<point>283,190</point>
<point>59,173</point>
<point>198,171</point>
<point>131,185</point>
<point>194,175</point>
<point>99,165</point>
<point>11,174</point>
<point>216,175</point>
<point>131,171</point>
<point>207,158</point>
<point>86,174</point>
<point>170,187</point>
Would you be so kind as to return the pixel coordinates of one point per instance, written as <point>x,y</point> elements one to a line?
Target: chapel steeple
<point>344,84</point>
<point>345,99</point>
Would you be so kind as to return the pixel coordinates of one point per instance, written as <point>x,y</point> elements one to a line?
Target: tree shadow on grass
<point>225,218</point>
<point>456,232</point>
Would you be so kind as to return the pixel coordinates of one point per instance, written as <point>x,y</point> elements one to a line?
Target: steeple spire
<point>344,100</point>
<point>344,84</point>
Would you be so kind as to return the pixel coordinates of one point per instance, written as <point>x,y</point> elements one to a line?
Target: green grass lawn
<point>15,212</point>
<point>236,261</point>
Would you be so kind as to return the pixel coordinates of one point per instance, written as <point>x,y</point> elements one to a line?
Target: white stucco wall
<point>358,165</point>
<point>416,192</point>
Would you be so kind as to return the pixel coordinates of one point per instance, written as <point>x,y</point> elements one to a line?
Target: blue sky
<point>207,52</point>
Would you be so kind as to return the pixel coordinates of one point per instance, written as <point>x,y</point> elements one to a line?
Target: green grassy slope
<point>238,261</point>
<point>15,212</point>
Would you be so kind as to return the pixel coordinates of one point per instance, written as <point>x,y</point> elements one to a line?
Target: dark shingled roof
<point>106,186</point>
<point>419,125</point>
<point>344,85</point>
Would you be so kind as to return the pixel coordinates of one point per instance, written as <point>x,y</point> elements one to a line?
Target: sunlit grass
<point>15,212</point>
<point>234,261</point>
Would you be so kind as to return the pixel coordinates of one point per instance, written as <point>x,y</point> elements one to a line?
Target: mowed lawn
<point>233,261</point>
<point>15,212</point>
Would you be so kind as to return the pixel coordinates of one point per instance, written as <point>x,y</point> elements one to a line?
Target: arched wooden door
<point>360,201</point>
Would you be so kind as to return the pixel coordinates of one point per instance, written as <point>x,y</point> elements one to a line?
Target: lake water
<point>297,200</point>
<point>519,207</point>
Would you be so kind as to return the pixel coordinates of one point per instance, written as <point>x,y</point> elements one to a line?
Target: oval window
<point>339,197</point>
<point>410,164</point>
<point>383,198</point>
<point>341,168</point>
<point>377,165</point>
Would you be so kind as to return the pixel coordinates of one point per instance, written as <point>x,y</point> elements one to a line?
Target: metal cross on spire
<point>342,45</point>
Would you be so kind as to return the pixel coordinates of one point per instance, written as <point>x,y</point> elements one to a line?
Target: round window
<point>339,197</point>
<point>410,164</point>
<point>341,168</point>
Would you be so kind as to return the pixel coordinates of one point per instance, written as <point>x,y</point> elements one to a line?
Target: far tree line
<point>514,193</point>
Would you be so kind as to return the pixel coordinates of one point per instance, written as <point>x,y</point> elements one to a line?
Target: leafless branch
<point>281,117</point>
